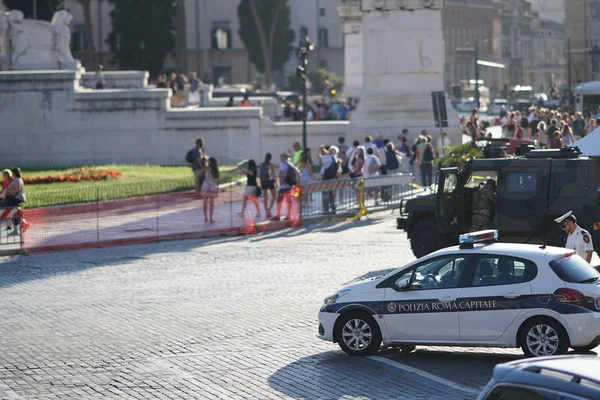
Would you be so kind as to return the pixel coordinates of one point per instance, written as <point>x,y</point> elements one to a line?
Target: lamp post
<point>302,53</point>
<point>476,77</point>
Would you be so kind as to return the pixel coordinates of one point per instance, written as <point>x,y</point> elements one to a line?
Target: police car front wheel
<point>358,334</point>
<point>543,337</point>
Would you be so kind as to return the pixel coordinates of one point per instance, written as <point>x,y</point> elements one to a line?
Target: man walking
<point>578,238</point>
<point>198,164</point>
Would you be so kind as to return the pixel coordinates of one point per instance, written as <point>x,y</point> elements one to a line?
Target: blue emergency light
<point>490,235</point>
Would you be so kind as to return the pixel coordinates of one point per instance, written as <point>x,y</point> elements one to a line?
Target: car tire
<point>358,334</point>
<point>425,238</point>
<point>584,349</point>
<point>543,337</point>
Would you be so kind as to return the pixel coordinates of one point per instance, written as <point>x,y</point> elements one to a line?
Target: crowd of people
<point>551,129</point>
<point>338,110</point>
<point>298,166</point>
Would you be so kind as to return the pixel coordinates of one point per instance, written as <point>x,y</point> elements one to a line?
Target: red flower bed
<point>76,175</point>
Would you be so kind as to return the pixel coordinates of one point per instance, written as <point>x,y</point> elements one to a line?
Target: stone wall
<point>48,119</point>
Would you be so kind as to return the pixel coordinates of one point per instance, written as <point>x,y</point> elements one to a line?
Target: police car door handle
<point>447,299</point>
<point>511,295</point>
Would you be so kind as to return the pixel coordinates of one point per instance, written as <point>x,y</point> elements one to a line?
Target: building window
<point>323,64</point>
<point>505,28</point>
<point>323,37</point>
<point>303,31</point>
<point>222,74</point>
<point>78,38</point>
<point>322,11</point>
<point>506,49</point>
<point>221,35</point>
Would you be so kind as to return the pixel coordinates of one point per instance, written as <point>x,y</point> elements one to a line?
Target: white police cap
<point>563,217</point>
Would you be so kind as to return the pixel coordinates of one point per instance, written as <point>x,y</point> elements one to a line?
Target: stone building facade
<point>213,47</point>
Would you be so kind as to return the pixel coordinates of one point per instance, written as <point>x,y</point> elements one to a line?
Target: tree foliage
<point>142,33</point>
<point>458,155</point>
<point>45,8</point>
<point>266,34</point>
<point>319,81</point>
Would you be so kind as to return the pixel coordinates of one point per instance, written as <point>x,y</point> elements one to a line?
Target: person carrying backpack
<point>195,157</point>
<point>266,173</point>
<point>288,177</point>
<point>330,170</point>
<point>425,157</point>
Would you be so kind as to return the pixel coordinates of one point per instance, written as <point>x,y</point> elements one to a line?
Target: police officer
<point>484,207</point>
<point>578,238</point>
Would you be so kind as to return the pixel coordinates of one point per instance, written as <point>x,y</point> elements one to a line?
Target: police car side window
<point>439,273</point>
<point>502,270</point>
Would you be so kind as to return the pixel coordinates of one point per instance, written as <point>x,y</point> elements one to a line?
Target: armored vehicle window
<point>450,184</point>
<point>479,178</point>
<point>525,182</point>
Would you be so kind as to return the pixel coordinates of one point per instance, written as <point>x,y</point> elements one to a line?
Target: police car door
<point>496,289</point>
<point>420,303</point>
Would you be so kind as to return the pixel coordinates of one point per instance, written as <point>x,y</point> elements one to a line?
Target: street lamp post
<point>302,53</point>
<point>476,77</point>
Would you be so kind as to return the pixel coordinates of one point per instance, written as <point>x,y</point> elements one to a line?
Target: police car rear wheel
<point>543,337</point>
<point>358,334</point>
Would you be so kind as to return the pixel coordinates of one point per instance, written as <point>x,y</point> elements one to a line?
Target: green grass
<point>137,180</point>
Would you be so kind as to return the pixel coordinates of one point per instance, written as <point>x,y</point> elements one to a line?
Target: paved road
<point>225,318</point>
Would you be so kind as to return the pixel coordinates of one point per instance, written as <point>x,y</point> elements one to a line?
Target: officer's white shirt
<point>580,241</point>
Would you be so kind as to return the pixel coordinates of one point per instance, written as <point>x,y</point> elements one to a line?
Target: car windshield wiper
<point>590,280</point>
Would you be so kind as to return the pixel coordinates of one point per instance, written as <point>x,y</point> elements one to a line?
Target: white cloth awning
<point>590,144</point>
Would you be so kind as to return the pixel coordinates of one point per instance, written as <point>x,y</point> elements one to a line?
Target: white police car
<point>481,293</point>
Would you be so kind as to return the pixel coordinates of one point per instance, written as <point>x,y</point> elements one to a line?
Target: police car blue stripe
<point>545,301</point>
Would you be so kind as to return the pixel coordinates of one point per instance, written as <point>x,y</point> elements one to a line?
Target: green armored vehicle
<point>531,191</point>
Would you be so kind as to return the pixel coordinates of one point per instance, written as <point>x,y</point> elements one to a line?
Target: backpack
<point>291,175</point>
<point>263,174</point>
<point>331,170</point>
<point>374,165</point>
<point>428,153</point>
<point>189,157</point>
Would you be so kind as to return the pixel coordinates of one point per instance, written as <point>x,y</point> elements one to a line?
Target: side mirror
<point>402,285</point>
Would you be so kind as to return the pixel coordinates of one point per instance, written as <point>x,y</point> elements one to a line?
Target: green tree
<point>45,9</point>
<point>319,80</point>
<point>142,33</point>
<point>264,29</point>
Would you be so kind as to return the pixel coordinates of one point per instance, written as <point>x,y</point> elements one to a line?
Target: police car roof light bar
<point>467,240</point>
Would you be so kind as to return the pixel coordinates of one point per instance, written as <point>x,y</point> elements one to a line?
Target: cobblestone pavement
<point>225,318</point>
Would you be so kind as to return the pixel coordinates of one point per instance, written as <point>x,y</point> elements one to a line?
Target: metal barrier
<point>11,234</point>
<point>355,197</point>
<point>338,196</point>
<point>387,191</point>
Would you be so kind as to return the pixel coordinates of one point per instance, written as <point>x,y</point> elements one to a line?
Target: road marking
<point>424,374</point>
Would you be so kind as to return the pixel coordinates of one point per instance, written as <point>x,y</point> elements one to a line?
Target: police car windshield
<point>574,269</point>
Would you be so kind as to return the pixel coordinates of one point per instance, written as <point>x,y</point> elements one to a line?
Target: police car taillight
<point>567,255</point>
<point>478,237</point>
<point>570,296</point>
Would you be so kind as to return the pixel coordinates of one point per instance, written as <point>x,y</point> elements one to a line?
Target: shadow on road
<point>19,269</point>
<point>335,375</point>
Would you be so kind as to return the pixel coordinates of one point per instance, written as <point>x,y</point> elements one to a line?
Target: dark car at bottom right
<point>545,378</point>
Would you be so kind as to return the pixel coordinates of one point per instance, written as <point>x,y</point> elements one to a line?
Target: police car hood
<point>362,285</point>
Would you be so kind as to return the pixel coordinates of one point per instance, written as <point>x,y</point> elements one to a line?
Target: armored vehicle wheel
<point>425,238</point>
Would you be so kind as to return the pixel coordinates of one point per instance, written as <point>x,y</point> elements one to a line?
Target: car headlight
<point>332,299</point>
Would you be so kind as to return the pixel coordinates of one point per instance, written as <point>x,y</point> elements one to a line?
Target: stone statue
<point>36,45</point>
<point>62,36</point>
